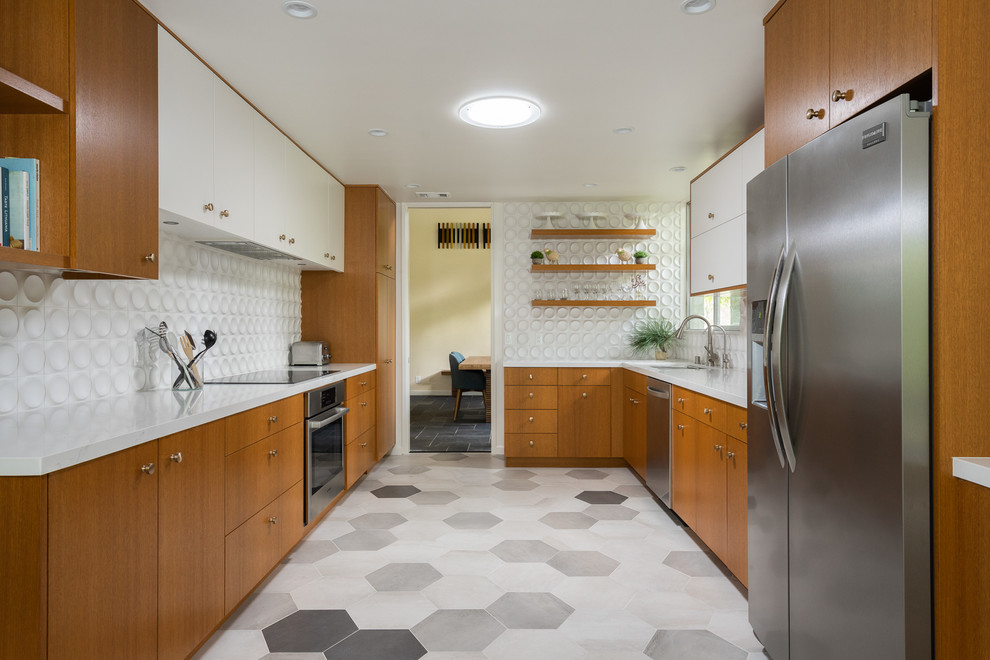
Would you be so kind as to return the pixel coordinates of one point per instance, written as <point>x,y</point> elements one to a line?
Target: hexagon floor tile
<point>395,491</point>
<point>568,520</point>
<point>473,520</point>
<point>377,645</point>
<point>458,630</point>
<point>530,610</point>
<point>377,521</point>
<point>601,497</point>
<point>583,563</point>
<point>434,497</point>
<point>309,631</point>
<point>524,551</point>
<point>403,577</point>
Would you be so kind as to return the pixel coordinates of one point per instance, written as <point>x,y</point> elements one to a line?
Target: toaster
<point>309,353</point>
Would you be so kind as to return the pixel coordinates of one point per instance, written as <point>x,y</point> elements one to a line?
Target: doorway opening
<point>450,308</point>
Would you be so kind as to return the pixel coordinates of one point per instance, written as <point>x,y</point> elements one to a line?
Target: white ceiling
<point>690,86</point>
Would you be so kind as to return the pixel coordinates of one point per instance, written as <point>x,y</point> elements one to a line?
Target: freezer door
<point>767,478</point>
<point>859,497</point>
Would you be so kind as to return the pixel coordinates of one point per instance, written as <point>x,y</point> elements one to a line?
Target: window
<point>722,308</point>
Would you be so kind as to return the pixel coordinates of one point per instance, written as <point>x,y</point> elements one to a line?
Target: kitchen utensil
<point>165,343</point>
<point>209,339</point>
<point>188,346</point>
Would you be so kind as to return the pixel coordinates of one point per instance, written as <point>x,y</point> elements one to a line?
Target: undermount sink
<point>661,365</point>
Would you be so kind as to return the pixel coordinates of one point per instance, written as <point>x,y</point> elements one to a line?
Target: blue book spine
<point>33,167</point>
<point>5,192</point>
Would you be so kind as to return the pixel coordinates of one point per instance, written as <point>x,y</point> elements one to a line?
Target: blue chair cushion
<point>464,380</point>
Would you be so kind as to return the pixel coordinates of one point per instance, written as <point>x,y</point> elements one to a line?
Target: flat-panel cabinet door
<point>736,555</point>
<point>185,132</point>
<point>584,424</point>
<point>270,184</point>
<point>333,257</point>
<point>634,430</point>
<point>718,257</point>
<point>233,161</point>
<point>386,364</point>
<point>385,234</point>
<point>684,468</point>
<point>717,196</point>
<point>710,495</point>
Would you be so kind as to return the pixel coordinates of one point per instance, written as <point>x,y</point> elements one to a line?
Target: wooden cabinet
<point>260,472</point>
<point>91,120</point>
<point>190,538</point>
<point>103,556</point>
<point>252,425</point>
<point>736,533</point>
<point>359,435</point>
<point>250,551</point>
<point>531,412</point>
<point>385,236</point>
<point>710,496</point>
<point>584,421</point>
<point>828,59</point>
<point>634,430</point>
<point>684,468</point>
<point>24,578</point>
<point>366,333</point>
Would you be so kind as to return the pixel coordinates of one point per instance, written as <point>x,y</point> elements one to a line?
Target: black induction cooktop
<point>273,377</point>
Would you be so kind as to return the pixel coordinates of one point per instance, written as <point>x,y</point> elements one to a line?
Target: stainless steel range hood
<point>249,249</point>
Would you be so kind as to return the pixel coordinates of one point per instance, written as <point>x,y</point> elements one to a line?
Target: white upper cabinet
<point>752,154</point>
<point>308,219</point>
<point>716,196</point>
<point>233,159</point>
<point>271,187</point>
<point>718,257</point>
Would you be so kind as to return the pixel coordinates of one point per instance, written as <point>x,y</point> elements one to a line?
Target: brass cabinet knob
<point>531,395</point>
<point>711,278</point>
<point>333,257</point>
<point>326,255</point>
<point>711,216</point>
<point>176,457</point>
<point>584,395</point>
<point>148,468</point>
<point>225,213</point>
<point>292,241</point>
<point>839,95</point>
<point>584,376</point>
<point>742,425</point>
<point>150,257</point>
<point>680,427</point>
<point>635,402</point>
<point>208,207</point>
<point>281,237</point>
<point>815,114</point>
<point>273,419</point>
<point>531,419</point>
<point>273,453</point>
<point>532,444</point>
<point>531,376</point>
<point>273,520</point>
<point>730,454</point>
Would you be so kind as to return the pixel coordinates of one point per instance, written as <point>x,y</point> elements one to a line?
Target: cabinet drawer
<point>735,422</point>
<point>530,421</point>
<point>252,425</point>
<point>703,408</point>
<point>250,551</point>
<point>256,475</point>
<point>589,377</point>
<point>359,456</point>
<point>360,384</point>
<point>290,518</point>
<point>531,376</point>
<point>634,381</point>
<point>361,417</point>
<point>537,397</point>
<point>531,445</point>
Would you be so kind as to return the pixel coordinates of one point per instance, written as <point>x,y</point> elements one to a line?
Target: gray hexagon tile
<point>437,497</point>
<point>514,473</point>
<point>530,610</point>
<point>403,577</point>
<point>378,644</point>
<point>695,644</point>
<point>515,484</point>
<point>308,631</point>
<point>473,520</point>
<point>601,497</point>
<point>458,630</point>
<point>368,539</point>
<point>693,563</point>
<point>586,474</point>
<point>568,520</point>
<point>610,512</point>
<point>524,551</point>
<point>377,521</point>
<point>576,563</point>
<point>395,491</point>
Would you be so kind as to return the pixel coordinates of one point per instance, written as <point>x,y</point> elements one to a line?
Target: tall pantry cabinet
<point>355,310</point>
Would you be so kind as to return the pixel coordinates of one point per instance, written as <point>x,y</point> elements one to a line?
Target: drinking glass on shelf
<point>551,294</point>
<point>563,293</point>
<point>538,295</point>
<point>577,293</point>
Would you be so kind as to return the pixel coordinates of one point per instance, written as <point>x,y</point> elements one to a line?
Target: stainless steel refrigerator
<point>839,440</point>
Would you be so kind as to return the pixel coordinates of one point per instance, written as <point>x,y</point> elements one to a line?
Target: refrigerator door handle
<point>768,383</point>
<point>776,366</point>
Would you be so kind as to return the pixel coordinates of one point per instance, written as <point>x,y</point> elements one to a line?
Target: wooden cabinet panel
<point>584,377</point>
<point>291,522</point>
<point>250,551</point>
<point>536,397</point>
<point>356,385</point>
<point>684,468</point>
<point>530,421</point>
<point>386,364</point>
<point>736,554</point>
<point>361,416</point>
<point>531,376</point>
<point>24,557</point>
<point>735,422</point>
<point>531,445</point>
<point>584,422</point>
<point>190,538</point>
<point>252,425</point>
<point>703,408</point>
<point>634,381</point>
<point>797,75</point>
<point>875,47</point>
<point>257,474</point>
<point>359,456</point>
<point>634,430</point>
<point>103,557</point>
<point>710,494</point>
<point>385,235</point>
<point>334,259</point>
<point>718,257</point>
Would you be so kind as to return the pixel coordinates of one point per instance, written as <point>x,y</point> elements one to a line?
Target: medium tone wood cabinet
<point>584,421</point>
<point>684,468</point>
<point>24,578</point>
<point>385,362</point>
<point>828,59</point>
<point>736,556</point>
<point>359,434</point>
<point>634,430</point>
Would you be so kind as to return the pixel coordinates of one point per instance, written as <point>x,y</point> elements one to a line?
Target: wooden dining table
<point>481,363</point>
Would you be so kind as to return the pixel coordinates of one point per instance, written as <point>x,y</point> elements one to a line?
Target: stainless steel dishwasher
<point>658,439</point>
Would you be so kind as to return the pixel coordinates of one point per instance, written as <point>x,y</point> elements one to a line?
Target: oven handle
<point>329,417</point>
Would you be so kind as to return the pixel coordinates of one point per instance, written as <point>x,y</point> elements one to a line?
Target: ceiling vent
<point>433,195</point>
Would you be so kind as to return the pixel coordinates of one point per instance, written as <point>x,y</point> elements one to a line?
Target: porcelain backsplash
<point>63,341</point>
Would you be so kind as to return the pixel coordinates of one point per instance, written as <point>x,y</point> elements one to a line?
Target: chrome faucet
<point>725,351</point>
<point>712,357</point>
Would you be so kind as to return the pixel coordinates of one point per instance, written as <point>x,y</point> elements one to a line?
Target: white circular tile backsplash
<point>63,341</point>
<point>547,334</point>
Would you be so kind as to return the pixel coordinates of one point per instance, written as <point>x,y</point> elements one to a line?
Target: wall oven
<point>324,473</point>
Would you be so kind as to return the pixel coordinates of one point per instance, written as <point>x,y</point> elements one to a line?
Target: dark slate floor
<point>433,429</point>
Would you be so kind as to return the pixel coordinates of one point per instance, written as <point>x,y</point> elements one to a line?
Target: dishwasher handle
<point>660,394</point>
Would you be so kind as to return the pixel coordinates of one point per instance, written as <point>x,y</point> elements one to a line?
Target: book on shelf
<point>4,207</point>
<point>24,202</point>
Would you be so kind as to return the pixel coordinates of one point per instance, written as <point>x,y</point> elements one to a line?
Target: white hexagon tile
<point>63,341</point>
<point>548,334</point>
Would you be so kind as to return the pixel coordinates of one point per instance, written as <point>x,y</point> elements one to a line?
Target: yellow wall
<point>449,298</point>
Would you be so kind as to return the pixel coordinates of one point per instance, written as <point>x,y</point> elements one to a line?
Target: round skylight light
<point>499,112</point>
<point>298,9</point>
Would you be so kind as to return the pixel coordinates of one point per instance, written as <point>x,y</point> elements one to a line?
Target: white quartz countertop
<point>51,439</point>
<point>727,385</point>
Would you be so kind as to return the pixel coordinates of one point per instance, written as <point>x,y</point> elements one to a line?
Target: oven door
<point>324,460</point>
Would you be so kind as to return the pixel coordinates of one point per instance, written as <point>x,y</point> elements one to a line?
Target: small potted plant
<point>655,335</point>
<point>640,256</point>
<point>537,257</point>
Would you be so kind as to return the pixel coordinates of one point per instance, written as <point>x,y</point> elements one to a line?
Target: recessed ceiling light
<point>499,112</point>
<point>623,130</point>
<point>378,132</point>
<point>298,9</point>
<point>413,186</point>
<point>697,6</point>
<point>590,185</point>
<point>678,168</point>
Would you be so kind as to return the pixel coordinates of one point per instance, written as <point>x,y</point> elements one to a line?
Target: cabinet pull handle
<point>532,444</point>
<point>680,400</point>
<point>363,383</point>
<point>273,419</point>
<point>635,402</point>
<point>333,257</point>
<point>531,376</point>
<point>815,114</point>
<point>708,411</point>
<point>718,447</point>
<point>711,278</point>
<point>281,237</point>
<point>531,419</point>
<point>364,404</point>
<point>584,376</point>
<point>711,216</point>
<point>326,255</point>
<point>176,457</point>
<point>273,453</point>
<point>364,444</point>
<point>292,241</point>
<point>225,213</point>
<point>150,257</point>
<point>208,206</point>
<point>584,395</point>
<point>680,427</point>
<point>531,395</point>
<point>148,468</point>
<point>839,95</point>
<point>742,425</point>
<point>730,454</point>
<point>273,520</point>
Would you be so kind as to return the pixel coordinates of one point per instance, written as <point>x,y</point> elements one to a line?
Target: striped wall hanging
<point>464,235</point>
